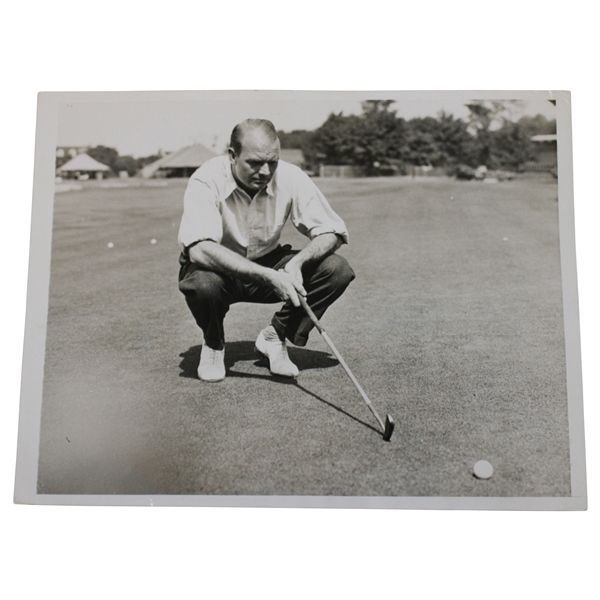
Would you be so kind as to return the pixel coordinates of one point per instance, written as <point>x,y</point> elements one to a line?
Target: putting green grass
<point>453,326</point>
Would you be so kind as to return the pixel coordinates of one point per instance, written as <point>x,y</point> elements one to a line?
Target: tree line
<point>382,143</point>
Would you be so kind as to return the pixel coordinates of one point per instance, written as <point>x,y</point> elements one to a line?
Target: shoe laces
<point>212,357</point>
<point>282,351</point>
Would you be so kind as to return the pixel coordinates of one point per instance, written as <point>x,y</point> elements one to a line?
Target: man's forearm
<point>215,257</point>
<point>318,248</point>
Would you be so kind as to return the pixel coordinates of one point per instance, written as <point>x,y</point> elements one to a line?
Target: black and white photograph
<point>457,143</point>
<point>353,299</point>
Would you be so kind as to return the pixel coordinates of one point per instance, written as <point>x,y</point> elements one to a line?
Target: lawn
<point>453,326</point>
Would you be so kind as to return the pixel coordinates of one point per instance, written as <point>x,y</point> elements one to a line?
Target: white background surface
<point>79,552</point>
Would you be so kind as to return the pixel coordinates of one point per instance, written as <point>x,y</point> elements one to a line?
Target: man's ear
<point>232,155</point>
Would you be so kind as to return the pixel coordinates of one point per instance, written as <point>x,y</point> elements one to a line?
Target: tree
<point>338,139</point>
<point>373,140</point>
<point>375,106</point>
<point>422,146</point>
<point>383,136</point>
<point>511,147</point>
<point>491,124</point>
<point>538,125</point>
<point>126,163</point>
<point>378,140</point>
<point>454,142</point>
<point>146,160</point>
<point>295,139</point>
<point>106,156</point>
<point>440,142</point>
<point>486,115</point>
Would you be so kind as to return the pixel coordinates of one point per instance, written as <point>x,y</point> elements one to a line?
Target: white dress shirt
<point>215,208</point>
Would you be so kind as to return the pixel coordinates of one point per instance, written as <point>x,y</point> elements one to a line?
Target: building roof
<point>544,138</point>
<point>83,162</point>
<point>191,156</point>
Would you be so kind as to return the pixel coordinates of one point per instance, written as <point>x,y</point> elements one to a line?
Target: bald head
<point>254,154</point>
<point>257,130</point>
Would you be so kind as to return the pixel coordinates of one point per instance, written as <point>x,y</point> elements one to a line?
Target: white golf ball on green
<point>483,469</point>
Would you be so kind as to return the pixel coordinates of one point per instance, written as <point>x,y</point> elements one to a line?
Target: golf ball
<point>153,241</point>
<point>483,469</point>
<point>110,245</point>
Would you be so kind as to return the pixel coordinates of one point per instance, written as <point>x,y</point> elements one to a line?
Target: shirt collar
<point>231,183</point>
<point>269,188</point>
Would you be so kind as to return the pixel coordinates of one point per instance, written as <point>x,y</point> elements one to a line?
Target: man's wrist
<point>296,262</point>
<point>268,275</point>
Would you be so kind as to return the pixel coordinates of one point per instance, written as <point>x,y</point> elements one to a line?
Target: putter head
<point>389,428</point>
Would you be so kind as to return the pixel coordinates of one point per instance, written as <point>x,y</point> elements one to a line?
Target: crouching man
<point>235,207</point>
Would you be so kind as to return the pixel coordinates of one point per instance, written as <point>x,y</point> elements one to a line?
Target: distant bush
<point>463,172</point>
<point>502,175</point>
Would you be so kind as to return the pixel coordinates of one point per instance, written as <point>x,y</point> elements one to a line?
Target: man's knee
<point>203,285</point>
<point>337,270</point>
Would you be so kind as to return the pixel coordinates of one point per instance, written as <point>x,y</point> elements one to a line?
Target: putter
<point>388,426</point>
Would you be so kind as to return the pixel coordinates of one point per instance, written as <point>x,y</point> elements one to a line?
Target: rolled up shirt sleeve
<point>311,213</point>
<point>201,218</point>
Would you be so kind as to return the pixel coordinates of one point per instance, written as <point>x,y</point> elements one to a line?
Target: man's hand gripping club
<point>288,284</point>
<point>318,248</point>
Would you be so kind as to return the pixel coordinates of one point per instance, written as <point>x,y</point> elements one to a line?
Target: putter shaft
<point>342,362</point>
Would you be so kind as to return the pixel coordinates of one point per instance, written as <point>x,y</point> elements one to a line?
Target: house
<point>70,151</point>
<point>66,153</point>
<point>82,166</point>
<point>178,164</point>
<point>545,156</point>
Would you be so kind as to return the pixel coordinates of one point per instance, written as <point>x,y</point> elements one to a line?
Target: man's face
<point>255,165</point>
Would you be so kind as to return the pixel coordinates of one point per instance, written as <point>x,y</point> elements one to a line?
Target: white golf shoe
<point>276,351</point>
<point>212,364</point>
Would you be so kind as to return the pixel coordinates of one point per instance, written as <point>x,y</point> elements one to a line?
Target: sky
<point>144,123</point>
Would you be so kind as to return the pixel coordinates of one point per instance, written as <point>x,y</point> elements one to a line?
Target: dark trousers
<point>209,294</point>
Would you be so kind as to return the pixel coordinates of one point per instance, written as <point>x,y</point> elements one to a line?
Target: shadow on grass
<point>243,351</point>
<point>294,382</point>
<point>337,408</point>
